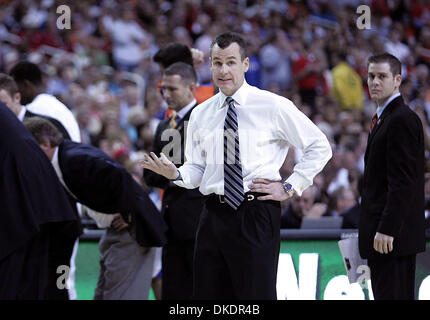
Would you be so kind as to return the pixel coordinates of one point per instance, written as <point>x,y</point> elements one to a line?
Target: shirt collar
<point>22,114</point>
<point>55,163</point>
<point>181,113</point>
<point>239,96</point>
<point>381,109</point>
<point>57,169</point>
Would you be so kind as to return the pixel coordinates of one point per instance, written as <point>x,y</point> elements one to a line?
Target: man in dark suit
<point>99,182</point>
<point>181,207</point>
<point>61,250</point>
<point>33,207</point>
<point>391,227</point>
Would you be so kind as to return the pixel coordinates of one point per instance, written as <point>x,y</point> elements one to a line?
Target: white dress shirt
<point>48,105</point>
<point>181,113</point>
<point>59,173</point>
<point>268,125</point>
<point>22,114</point>
<point>381,109</point>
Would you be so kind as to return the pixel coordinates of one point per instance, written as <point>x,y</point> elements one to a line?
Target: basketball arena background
<point>66,39</point>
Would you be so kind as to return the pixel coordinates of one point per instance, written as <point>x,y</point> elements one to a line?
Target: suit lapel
<point>185,118</point>
<point>387,112</point>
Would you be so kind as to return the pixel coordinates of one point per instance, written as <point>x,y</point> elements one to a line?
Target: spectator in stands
<point>341,200</point>
<point>275,62</point>
<point>351,216</point>
<point>304,206</point>
<point>128,38</point>
<point>348,164</point>
<point>347,86</point>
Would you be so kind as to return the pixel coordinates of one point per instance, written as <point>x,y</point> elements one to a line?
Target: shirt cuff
<point>181,182</point>
<point>178,178</point>
<point>298,182</point>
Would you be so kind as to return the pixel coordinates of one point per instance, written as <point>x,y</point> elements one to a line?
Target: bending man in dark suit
<point>99,182</point>
<point>33,207</point>
<point>181,207</point>
<point>61,251</point>
<point>391,227</point>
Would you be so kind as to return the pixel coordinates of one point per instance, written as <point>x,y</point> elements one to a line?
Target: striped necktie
<point>234,192</point>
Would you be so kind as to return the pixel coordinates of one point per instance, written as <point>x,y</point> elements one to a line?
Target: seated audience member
<point>340,200</point>
<point>300,207</point>
<point>351,216</point>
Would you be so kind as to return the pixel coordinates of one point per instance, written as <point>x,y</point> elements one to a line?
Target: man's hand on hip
<point>274,189</point>
<point>383,243</point>
<point>162,165</point>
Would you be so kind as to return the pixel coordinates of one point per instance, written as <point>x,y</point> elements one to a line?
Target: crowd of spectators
<point>311,52</point>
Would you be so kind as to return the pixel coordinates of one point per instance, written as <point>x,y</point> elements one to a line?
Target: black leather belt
<point>249,196</point>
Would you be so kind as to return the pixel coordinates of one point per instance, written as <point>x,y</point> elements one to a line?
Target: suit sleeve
<point>404,141</point>
<point>151,178</point>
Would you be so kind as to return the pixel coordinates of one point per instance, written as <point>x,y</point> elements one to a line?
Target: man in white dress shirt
<point>28,77</point>
<point>237,142</point>
<point>9,94</point>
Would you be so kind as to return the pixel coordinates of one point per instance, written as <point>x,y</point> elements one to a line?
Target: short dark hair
<point>173,52</point>
<point>225,39</point>
<point>26,70</point>
<point>395,64</point>
<point>182,69</point>
<point>7,83</point>
<point>43,130</point>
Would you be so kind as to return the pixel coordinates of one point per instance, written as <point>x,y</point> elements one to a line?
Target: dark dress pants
<point>62,240</point>
<point>393,278</point>
<point>236,254</point>
<point>24,273</point>
<point>177,269</point>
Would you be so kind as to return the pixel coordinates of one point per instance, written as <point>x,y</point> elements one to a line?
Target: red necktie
<point>374,121</point>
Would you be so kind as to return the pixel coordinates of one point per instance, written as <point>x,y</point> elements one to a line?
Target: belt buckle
<point>220,199</point>
<point>250,197</point>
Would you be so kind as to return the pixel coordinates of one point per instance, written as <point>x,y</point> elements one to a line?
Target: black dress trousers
<point>24,273</point>
<point>237,251</point>
<point>393,278</point>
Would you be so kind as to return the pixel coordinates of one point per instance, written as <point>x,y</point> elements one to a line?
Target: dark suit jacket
<point>28,114</point>
<point>181,207</point>
<point>31,195</point>
<point>393,183</point>
<point>102,184</point>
